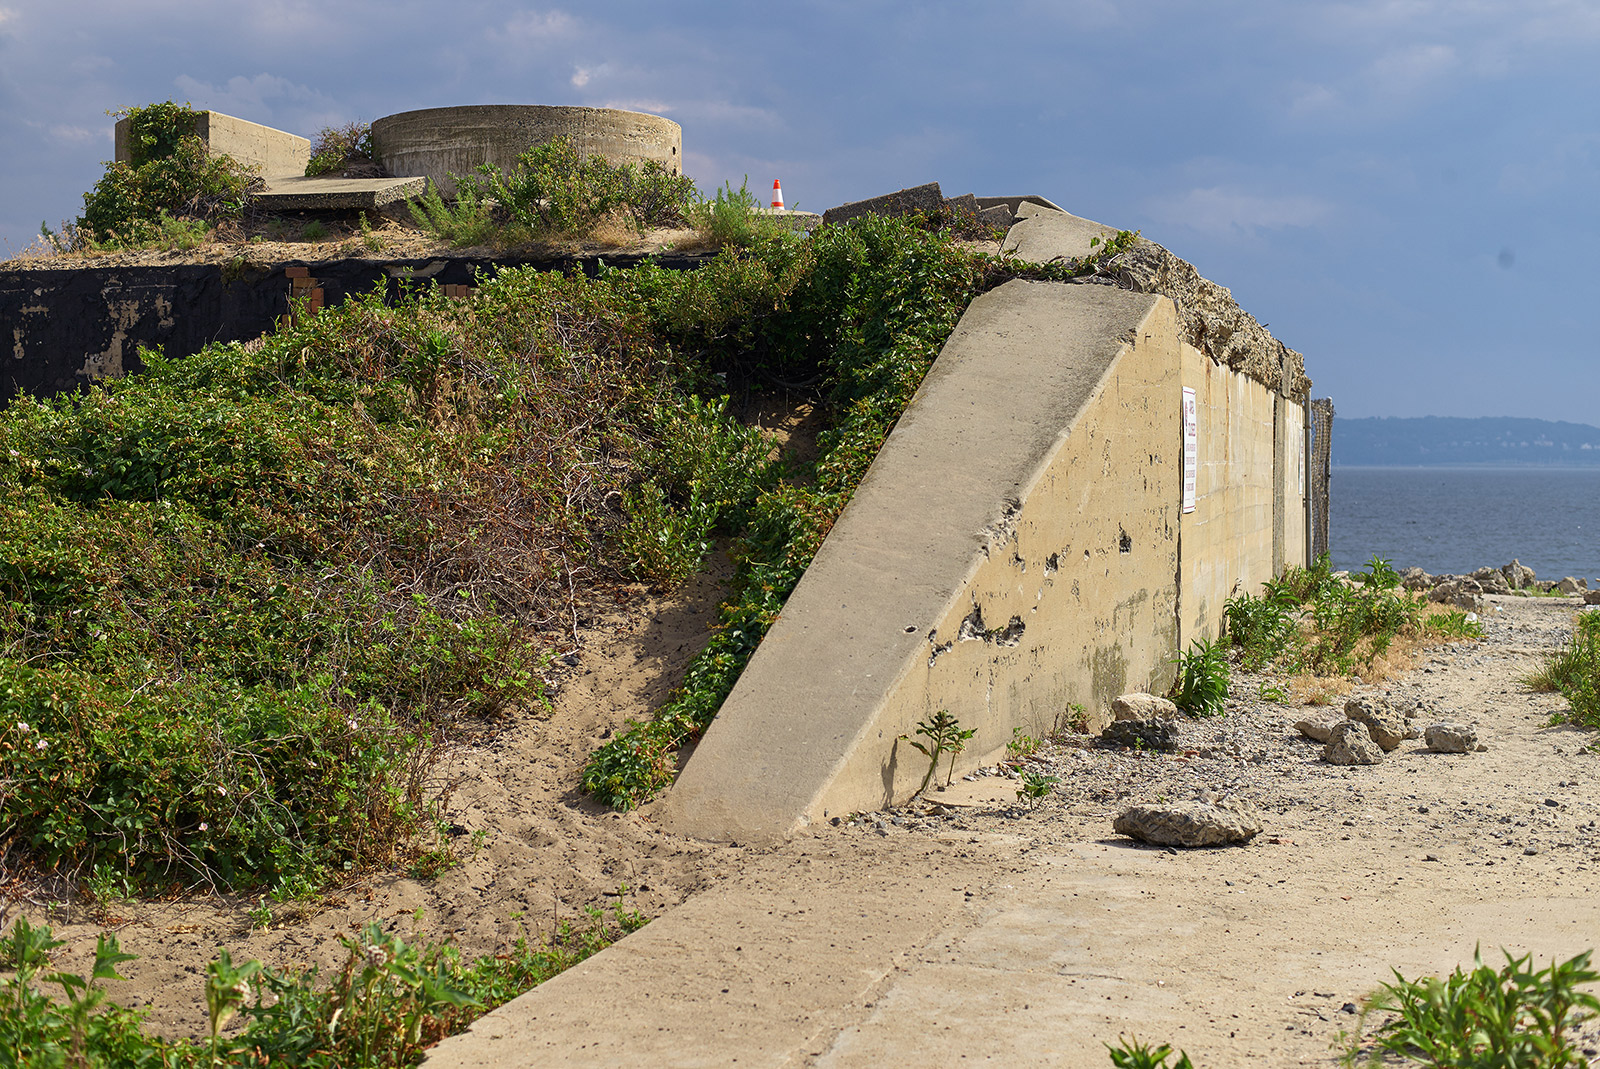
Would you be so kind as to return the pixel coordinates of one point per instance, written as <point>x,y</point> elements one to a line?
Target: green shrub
<point>336,144</point>
<point>1129,1053</point>
<point>387,1004</point>
<point>733,217</point>
<point>1516,1018</point>
<point>1261,627</point>
<point>1575,672</point>
<point>169,174</point>
<point>463,222</point>
<point>1202,685</point>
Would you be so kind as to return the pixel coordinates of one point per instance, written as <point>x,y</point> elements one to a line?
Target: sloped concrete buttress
<point>1011,553</point>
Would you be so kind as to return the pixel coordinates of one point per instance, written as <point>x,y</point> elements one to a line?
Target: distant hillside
<point>1445,440</point>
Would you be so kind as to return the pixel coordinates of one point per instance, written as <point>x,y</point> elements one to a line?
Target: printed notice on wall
<point>1191,447</point>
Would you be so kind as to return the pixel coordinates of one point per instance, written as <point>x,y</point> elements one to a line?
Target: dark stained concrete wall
<point>62,329</point>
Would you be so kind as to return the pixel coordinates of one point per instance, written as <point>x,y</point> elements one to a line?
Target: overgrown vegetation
<point>170,186</point>
<point>334,145</point>
<point>554,193</point>
<point>388,1003</point>
<point>1516,1017</point>
<point>246,596</point>
<point>1313,622</point>
<point>1575,672</point>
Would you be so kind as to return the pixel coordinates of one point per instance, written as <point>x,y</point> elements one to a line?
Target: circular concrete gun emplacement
<point>435,143</point>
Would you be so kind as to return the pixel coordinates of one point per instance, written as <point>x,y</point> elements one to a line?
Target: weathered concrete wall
<point>437,142</point>
<point>274,151</point>
<point>1012,550</point>
<point>61,329</point>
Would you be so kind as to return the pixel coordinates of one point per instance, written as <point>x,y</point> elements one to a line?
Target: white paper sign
<point>1191,446</point>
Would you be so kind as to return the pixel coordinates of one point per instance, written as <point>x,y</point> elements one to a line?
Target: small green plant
<point>1574,671</point>
<point>315,230</point>
<point>1035,785</point>
<point>1379,575</point>
<point>945,735</point>
<point>1276,693</point>
<point>1516,1017</point>
<point>260,914</point>
<point>369,238</point>
<point>1021,745</point>
<point>1202,685</point>
<point>1129,1053</point>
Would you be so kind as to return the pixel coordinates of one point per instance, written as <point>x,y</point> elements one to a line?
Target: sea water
<point>1457,520</point>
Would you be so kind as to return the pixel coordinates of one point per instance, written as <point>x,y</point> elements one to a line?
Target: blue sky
<point>1406,190</point>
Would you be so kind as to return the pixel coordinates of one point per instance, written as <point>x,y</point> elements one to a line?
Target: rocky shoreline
<point>1466,591</point>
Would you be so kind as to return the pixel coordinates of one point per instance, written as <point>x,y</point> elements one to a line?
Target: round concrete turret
<point>437,142</point>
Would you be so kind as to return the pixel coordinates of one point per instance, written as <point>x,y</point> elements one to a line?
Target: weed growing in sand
<point>1516,1017</point>
<point>1035,785</point>
<point>1021,745</point>
<point>945,735</point>
<point>1202,685</point>
<point>389,1002</point>
<point>1129,1053</point>
<point>1575,672</point>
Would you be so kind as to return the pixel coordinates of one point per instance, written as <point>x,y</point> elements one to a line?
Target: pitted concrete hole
<point>1011,634</point>
<point>1124,543</point>
<point>972,627</point>
<point>1052,563</point>
<point>911,629</point>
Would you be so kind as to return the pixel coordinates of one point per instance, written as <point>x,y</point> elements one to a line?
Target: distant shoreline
<point>1463,466</point>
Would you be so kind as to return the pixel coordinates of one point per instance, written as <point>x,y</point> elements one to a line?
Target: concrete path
<point>983,950</point>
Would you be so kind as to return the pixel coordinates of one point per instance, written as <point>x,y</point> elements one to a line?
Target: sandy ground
<point>977,930</point>
<point>534,849</point>
<point>1252,955</point>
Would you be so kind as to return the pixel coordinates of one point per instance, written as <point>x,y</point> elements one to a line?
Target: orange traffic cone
<point>777,195</point>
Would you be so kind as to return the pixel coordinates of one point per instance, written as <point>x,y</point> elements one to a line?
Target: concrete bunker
<point>434,143</point>
<point>1085,475</point>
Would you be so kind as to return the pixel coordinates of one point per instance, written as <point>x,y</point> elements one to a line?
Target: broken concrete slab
<point>1015,203</point>
<point>296,193</point>
<point>1042,235</point>
<point>793,218</point>
<point>924,198</point>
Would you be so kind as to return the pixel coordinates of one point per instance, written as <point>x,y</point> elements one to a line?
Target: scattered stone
<point>1592,598</point>
<point>1416,579</point>
<point>1137,705</point>
<point>1195,823</point>
<point>1529,851</point>
<point>1570,586</point>
<point>926,198</point>
<point>1152,734</point>
<point>1491,580</point>
<point>1518,575</point>
<point>1350,743</point>
<point>967,203</point>
<point>1387,727</point>
<point>1462,593</point>
<point>1318,727</point>
<point>1452,738</point>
